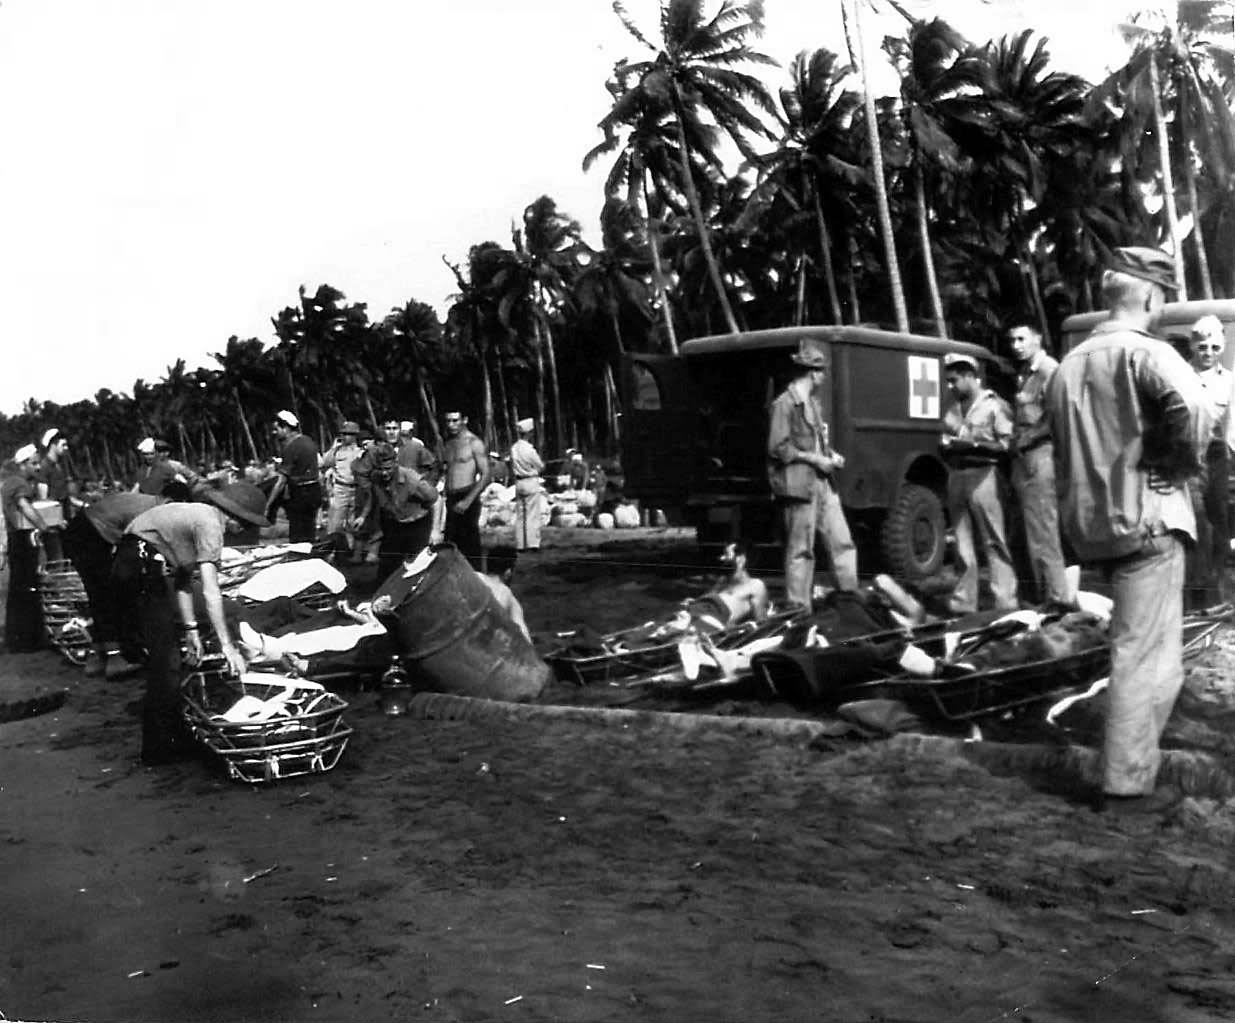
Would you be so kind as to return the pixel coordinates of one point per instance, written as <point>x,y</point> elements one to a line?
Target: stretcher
<point>627,654</point>
<point>298,727</point>
<point>968,696</point>
<point>66,611</point>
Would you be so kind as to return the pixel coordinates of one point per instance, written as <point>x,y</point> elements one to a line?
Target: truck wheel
<point>914,536</point>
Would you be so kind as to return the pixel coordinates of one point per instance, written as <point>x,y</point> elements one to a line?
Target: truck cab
<point>695,429</point>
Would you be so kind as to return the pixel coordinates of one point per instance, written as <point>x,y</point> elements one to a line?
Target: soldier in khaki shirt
<point>977,431</point>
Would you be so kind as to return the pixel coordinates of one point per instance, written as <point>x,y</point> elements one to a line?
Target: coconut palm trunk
<point>1168,177</point>
<point>825,254</point>
<point>1198,236</point>
<point>696,209</point>
<point>928,258</point>
<point>858,56</point>
<point>244,424</point>
<point>544,339</point>
<point>615,422</point>
<point>658,272</point>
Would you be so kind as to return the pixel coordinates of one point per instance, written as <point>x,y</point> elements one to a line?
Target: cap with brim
<point>287,419</point>
<point>1148,264</point>
<point>25,453</point>
<point>349,427</point>
<point>525,425</point>
<point>812,354</point>
<point>960,359</point>
<point>241,501</point>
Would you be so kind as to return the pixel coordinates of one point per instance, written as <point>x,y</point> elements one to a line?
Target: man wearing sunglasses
<point>1205,347</point>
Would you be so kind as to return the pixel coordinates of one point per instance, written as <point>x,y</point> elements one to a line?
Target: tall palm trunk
<point>488,396</point>
<point>184,441</point>
<point>825,253</point>
<point>1168,177</point>
<point>696,209</point>
<point>540,392</point>
<point>858,56</point>
<point>244,424</point>
<point>426,402</point>
<point>615,422</point>
<point>800,300</point>
<point>659,272</point>
<point>855,308</point>
<point>928,258</point>
<point>544,337</point>
<point>506,435</point>
<point>107,460</point>
<point>1198,236</point>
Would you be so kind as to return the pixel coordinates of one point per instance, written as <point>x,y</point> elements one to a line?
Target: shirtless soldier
<point>467,474</point>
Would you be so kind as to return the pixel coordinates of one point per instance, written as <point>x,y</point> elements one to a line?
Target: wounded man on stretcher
<point>737,598</point>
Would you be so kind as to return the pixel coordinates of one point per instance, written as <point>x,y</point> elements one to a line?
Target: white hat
<point>525,425</point>
<point>49,436</point>
<point>1208,327</point>
<point>960,359</point>
<point>288,419</point>
<point>25,453</point>
<point>146,447</point>
<point>407,426</point>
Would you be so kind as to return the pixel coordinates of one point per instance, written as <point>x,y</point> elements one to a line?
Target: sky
<point>172,171</point>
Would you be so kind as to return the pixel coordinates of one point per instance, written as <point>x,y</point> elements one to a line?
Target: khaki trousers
<point>529,512</point>
<point>1033,479</point>
<point>821,515</point>
<point>977,514</point>
<point>1147,667</point>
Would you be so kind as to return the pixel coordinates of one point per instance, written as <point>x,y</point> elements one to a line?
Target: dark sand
<point>506,871</point>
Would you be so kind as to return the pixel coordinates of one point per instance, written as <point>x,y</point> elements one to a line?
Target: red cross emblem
<point>923,387</point>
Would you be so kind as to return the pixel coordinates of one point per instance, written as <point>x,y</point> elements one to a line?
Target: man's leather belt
<point>1026,448</point>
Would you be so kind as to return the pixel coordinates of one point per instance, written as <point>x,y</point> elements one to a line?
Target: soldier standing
<point>1211,495</point>
<point>1033,465</point>
<point>467,474</point>
<point>298,478</point>
<point>977,431</point>
<point>801,462</point>
<point>527,467</point>
<point>1131,424</point>
<point>338,465</point>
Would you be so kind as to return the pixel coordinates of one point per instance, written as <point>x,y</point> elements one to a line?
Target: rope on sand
<point>1193,773</point>
<point>447,707</point>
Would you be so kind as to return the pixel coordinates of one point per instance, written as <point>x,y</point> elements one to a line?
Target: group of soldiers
<point>1119,455</point>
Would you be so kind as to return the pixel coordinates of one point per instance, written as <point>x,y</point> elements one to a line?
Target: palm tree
<point>646,170</point>
<point>812,166</point>
<point>410,349</point>
<point>1016,119</point>
<point>1177,66</point>
<point>692,77</point>
<point>853,39</point>
<point>927,60</point>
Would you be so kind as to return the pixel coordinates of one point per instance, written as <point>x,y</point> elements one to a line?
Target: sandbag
<point>453,636</point>
<point>604,520</point>
<point>626,516</point>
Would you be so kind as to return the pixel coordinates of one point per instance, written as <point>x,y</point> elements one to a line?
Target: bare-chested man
<point>499,568</point>
<point>467,474</point>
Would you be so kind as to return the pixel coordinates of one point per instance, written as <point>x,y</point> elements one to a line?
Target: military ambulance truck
<point>1174,326</point>
<point>695,427</point>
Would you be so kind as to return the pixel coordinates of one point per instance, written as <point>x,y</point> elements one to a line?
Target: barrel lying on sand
<point>453,636</point>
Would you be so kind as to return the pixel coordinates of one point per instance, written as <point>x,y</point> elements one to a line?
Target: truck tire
<point>914,536</point>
